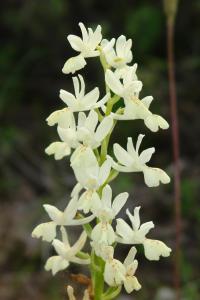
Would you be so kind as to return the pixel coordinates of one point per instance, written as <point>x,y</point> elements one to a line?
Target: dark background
<point>33,50</point>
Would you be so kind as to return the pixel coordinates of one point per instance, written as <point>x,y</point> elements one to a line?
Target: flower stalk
<point>171,7</point>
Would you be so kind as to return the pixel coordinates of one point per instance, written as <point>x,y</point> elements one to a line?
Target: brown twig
<point>84,280</point>
<point>171,7</point>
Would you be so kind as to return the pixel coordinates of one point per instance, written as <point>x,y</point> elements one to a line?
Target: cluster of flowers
<point>85,137</point>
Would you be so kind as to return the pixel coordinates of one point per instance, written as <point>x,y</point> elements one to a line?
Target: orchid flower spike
<point>84,128</point>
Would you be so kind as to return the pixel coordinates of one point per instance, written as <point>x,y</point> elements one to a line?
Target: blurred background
<point>32,53</point>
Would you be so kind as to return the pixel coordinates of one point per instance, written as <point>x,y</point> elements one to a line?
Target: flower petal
<point>130,256</point>
<point>146,227</point>
<point>47,231</point>
<point>114,272</point>
<point>71,209</point>
<point>135,219</point>
<point>91,121</point>
<point>79,243</point>
<point>147,101</point>
<point>154,249</point>
<point>106,196</point>
<point>59,149</point>
<point>61,117</point>
<point>104,171</point>
<point>123,157</point>
<point>67,97</point>
<point>139,141</point>
<point>153,177</point>
<point>124,230</point>
<point>56,263</point>
<point>103,129</point>
<point>54,213</point>
<point>114,83</point>
<point>91,98</point>
<point>60,247</point>
<point>131,283</point>
<point>119,202</point>
<point>153,122</point>
<point>75,42</point>
<point>103,233</point>
<point>146,155</point>
<point>74,64</point>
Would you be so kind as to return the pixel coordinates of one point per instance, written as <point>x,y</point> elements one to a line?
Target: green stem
<point>105,66</point>
<point>97,270</point>
<point>97,263</point>
<point>104,147</point>
<point>112,176</point>
<point>105,143</point>
<point>112,293</point>
<point>111,102</point>
<point>99,114</point>
<point>96,152</point>
<point>88,229</point>
<point>83,255</point>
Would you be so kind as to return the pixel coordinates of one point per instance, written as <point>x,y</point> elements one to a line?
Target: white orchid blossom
<point>137,235</point>
<point>106,210</point>
<point>81,101</point>
<point>126,89</point>
<point>86,132</point>
<point>89,134</point>
<point>134,107</point>
<point>67,132</point>
<point>84,128</point>
<point>120,56</point>
<point>87,47</point>
<point>114,272</point>
<point>89,42</point>
<point>117,273</point>
<point>87,170</point>
<point>107,45</point>
<point>47,231</point>
<point>89,175</point>
<point>85,199</point>
<point>127,73</point>
<point>66,253</point>
<point>132,161</point>
<point>130,263</point>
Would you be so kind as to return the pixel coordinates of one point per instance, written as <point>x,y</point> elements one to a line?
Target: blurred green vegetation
<point>33,50</point>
